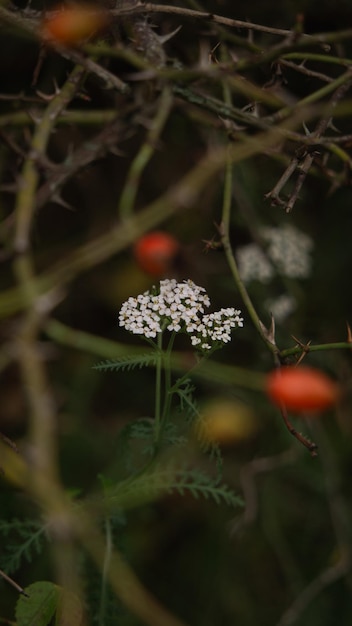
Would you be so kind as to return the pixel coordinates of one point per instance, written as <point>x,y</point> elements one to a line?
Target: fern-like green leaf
<point>162,480</point>
<point>128,363</point>
<point>190,407</point>
<point>29,543</point>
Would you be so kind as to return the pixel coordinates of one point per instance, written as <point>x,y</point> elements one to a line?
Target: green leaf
<point>190,407</point>
<point>43,601</point>
<point>128,363</point>
<point>161,480</point>
<point>32,532</point>
<point>40,606</point>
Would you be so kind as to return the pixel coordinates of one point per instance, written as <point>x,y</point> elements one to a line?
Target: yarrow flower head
<point>288,252</point>
<point>289,249</point>
<point>179,307</point>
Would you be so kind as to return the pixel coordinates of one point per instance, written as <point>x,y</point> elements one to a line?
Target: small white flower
<point>179,307</point>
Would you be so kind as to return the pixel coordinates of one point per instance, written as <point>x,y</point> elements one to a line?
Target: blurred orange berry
<point>301,389</point>
<point>71,25</point>
<point>156,253</point>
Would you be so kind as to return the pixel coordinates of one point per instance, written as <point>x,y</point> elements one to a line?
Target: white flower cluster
<point>253,264</point>
<point>290,250</point>
<point>179,307</point>
<point>288,253</point>
<point>281,307</point>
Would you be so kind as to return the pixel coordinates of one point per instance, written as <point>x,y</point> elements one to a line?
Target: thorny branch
<point>306,159</point>
<point>92,150</point>
<point>29,177</point>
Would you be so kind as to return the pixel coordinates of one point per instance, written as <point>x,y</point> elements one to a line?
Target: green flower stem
<point>167,367</point>
<point>163,363</point>
<point>225,227</point>
<point>159,367</point>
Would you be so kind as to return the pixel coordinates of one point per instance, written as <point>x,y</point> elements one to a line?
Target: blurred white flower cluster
<point>179,307</point>
<point>288,253</point>
<point>253,264</point>
<point>281,307</point>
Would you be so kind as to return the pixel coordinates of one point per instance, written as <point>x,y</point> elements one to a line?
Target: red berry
<point>155,252</point>
<point>301,389</point>
<point>71,25</point>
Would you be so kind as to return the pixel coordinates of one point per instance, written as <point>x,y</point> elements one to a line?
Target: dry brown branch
<point>304,164</point>
<point>92,150</point>
<point>148,7</point>
<point>13,583</point>
<point>301,67</point>
<point>310,445</point>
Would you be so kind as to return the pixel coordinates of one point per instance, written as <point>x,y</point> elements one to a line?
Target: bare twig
<point>274,194</point>
<point>13,583</point>
<point>308,158</point>
<point>300,67</point>
<point>148,7</point>
<point>320,129</point>
<point>310,445</point>
<point>110,80</point>
<point>90,151</point>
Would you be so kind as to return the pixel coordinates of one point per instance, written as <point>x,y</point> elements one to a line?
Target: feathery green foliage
<point>26,539</point>
<point>192,412</point>
<point>166,479</point>
<point>128,363</point>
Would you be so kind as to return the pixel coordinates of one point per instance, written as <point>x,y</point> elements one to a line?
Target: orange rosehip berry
<point>71,25</point>
<point>156,252</point>
<point>301,389</point>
